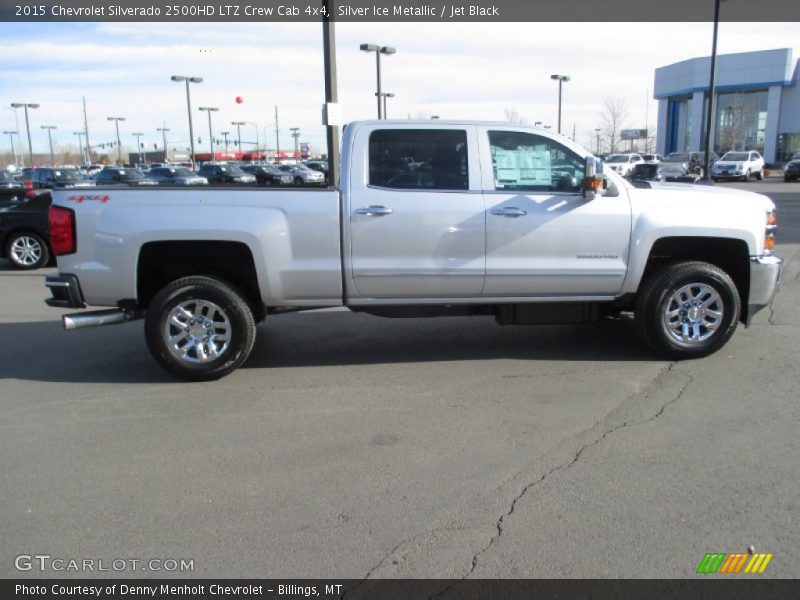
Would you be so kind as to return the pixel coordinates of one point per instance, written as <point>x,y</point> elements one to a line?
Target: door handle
<point>509,211</point>
<point>374,211</point>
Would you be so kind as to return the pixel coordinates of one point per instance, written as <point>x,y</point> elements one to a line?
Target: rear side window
<point>429,159</point>
<point>528,162</point>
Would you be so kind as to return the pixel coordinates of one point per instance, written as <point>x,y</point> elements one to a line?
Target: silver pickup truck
<point>431,218</point>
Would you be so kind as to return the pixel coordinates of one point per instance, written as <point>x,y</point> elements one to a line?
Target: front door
<point>543,238</point>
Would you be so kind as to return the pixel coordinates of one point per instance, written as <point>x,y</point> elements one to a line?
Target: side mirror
<point>593,181</point>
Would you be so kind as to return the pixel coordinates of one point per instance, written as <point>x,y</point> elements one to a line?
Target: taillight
<point>28,183</point>
<point>62,230</point>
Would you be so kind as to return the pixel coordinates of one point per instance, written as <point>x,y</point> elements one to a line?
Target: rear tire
<point>199,328</point>
<point>298,181</point>
<point>27,250</point>
<point>760,175</point>
<point>687,310</point>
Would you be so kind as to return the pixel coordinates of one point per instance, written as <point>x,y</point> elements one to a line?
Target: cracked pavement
<point>353,446</point>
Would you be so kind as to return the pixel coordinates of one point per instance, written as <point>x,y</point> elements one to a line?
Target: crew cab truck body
<point>486,219</point>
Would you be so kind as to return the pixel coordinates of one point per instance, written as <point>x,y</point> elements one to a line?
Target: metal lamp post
<point>188,80</point>
<point>10,135</point>
<point>561,79</point>
<point>225,135</point>
<point>164,131</point>
<point>239,134</point>
<point>119,142</point>
<point>597,132</point>
<point>712,81</point>
<point>50,139</point>
<point>26,106</point>
<point>139,150</point>
<point>296,135</point>
<point>80,143</point>
<point>378,50</point>
<point>385,95</point>
<point>209,110</point>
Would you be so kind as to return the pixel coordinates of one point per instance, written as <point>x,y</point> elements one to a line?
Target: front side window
<point>430,159</point>
<point>528,162</point>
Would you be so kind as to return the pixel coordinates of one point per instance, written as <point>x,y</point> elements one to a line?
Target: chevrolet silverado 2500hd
<point>431,218</point>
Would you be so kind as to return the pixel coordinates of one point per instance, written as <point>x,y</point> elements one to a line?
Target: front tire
<point>27,250</point>
<point>298,181</point>
<point>199,328</point>
<point>687,310</point>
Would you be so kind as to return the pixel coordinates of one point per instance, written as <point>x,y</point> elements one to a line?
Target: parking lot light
<point>188,80</point>
<point>119,142</point>
<point>209,110</point>
<point>378,50</point>
<point>11,135</point>
<point>50,139</point>
<point>561,80</point>
<point>26,106</point>
<point>239,134</point>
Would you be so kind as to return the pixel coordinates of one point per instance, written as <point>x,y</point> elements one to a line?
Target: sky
<point>454,70</point>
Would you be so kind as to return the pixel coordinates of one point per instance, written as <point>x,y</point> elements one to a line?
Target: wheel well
<point>162,262</point>
<point>730,255</point>
<point>9,234</point>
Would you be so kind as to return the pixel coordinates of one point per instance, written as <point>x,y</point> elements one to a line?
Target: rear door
<point>543,238</point>
<point>416,212</point>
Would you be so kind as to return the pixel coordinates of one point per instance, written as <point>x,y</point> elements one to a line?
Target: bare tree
<point>514,117</point>
<point>614,116</point>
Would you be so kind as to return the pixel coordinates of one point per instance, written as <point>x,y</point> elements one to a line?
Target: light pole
<point>188,80</point>
<point>27,105</point>
<point>19,141</point>
<point>209,110</point>
<point>561,79</point>
<point>50,139</point>
<point>597,131</point>
<point>712,82</point>
<point>164,131</point>
<point>10,135</point>
<point>119,142</point>
<point>139,151</point>
<point>239,134</point>
<point>385,95</point>
<point>378,50</point>
<point>296,135</point>
<point>225,135</point>
<point>80,143</point>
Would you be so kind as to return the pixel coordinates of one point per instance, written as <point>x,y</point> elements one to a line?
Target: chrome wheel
<point>26,251</point>
<point>693,314</point>
<point>197,331</point>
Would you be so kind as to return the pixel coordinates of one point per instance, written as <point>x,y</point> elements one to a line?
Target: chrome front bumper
<point>765,281</point>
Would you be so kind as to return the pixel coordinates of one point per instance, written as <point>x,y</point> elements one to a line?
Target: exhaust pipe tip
<point>95,318</point>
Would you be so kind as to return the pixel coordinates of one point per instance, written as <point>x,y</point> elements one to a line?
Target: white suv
<point>739,165</point>
<point>622,163</point>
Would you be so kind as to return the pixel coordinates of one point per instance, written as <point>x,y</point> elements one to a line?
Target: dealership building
<point>757,104</point>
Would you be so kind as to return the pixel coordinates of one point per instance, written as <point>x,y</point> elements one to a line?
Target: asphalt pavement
<point>353,446</point>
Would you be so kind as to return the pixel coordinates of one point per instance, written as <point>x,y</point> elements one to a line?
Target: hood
<point>723,200</point>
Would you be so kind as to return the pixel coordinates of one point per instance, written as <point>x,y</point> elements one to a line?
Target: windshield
<point>67,175</point>
<point>677,157</point>
<point>182,172</point>
<point>232,170</point>
<point>617,158</point>
<point>736,156</point>
<point>125,174</point>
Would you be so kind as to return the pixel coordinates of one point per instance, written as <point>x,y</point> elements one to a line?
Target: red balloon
<point>239,99</point>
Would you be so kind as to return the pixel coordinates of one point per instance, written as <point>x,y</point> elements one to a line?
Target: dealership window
<point>428,159</point>
<point>741,121</point>
<point>528,162</point>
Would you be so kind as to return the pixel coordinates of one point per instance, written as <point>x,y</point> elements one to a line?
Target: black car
<point>645,172</point>
<point>123,176</point>
<point>8,182</point>
<point>685,166</point>
<point>225,174</point>
<point>46,178</point>
<point>268,175</point>
<point>24,227</point>
<point>791,172</point>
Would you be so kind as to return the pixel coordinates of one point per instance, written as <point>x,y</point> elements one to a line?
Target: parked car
<point>302,175</point>
<point>24,228</point>
<point>175,176</point>
<point>645,172</point>
<point>487,234</point>
<point>622,163</point>
<point>791,172</point>
<point>318,165</point>
<point>268,175</point>
<point>122,176</point>
<point>684,166</point>
<point>9,181</point>
<point>652,158</point>
<point>225,174</point>
<point>48,178</point>
<point>739,165</point>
